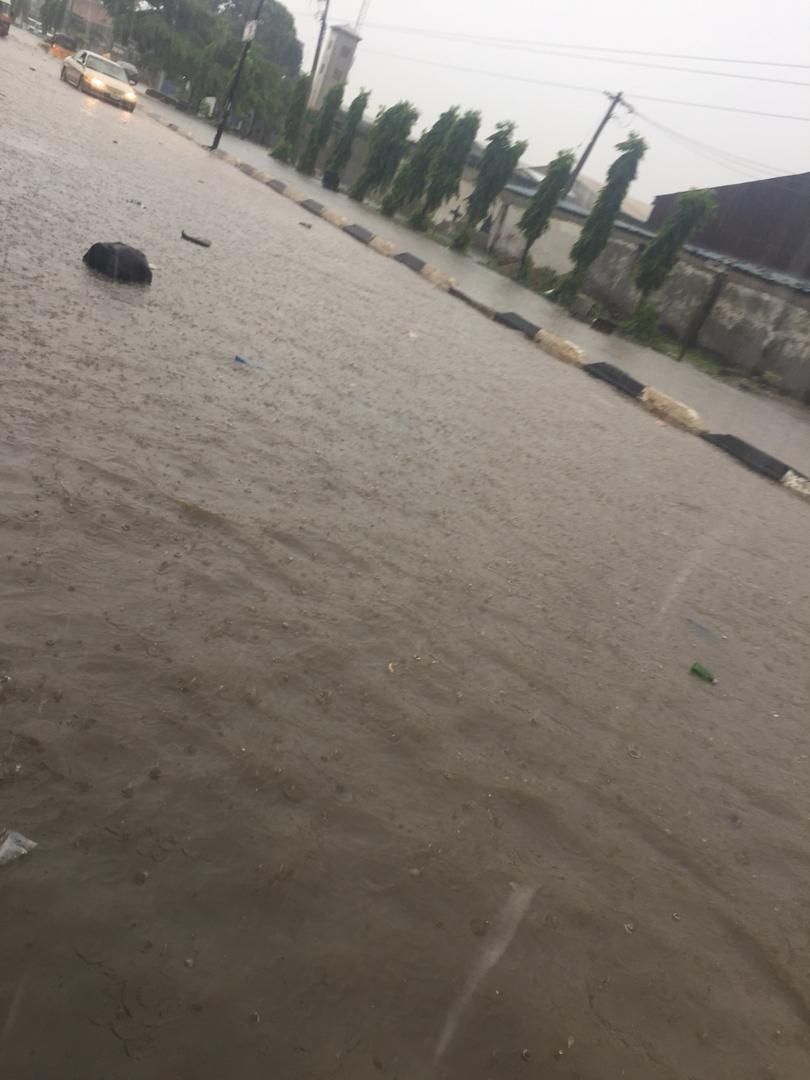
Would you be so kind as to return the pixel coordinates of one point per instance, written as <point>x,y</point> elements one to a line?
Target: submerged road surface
<point>347,694</point>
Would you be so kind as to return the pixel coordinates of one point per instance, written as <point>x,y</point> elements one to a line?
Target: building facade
<point>764,222</point>
<point>335,63</point>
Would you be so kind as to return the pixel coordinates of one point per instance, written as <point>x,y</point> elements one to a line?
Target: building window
<point>339,75</point>
<point>346,50</point>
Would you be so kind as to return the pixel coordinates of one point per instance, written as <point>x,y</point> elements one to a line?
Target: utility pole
<point>319,46</point>
<point>615,99</point>
<point>248,34</point>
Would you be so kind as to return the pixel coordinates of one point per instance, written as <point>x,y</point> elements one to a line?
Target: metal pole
<point>319,46</point>
<point>226,110</point>
<point>615,100</point>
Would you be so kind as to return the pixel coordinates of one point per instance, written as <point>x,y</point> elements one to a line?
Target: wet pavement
<point>777,426</point>
<point>347,692</point>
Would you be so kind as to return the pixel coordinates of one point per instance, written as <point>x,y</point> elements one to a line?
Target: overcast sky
<point>395,63</point>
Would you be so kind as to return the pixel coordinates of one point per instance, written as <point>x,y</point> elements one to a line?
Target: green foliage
<point>692,210</point>
<point>387,143</point>
<point>498,162</point>
<point>525,268</point>
<point>537,215</point>
<point>275,34</point>
<point>170,35</point>
<point>321,130</point>
<point>444,174</point>
<point>598,224</point>
<point>197,44</point>
<point>294,121</point>
<point>643,323</point>
<point>52,14</point>
<point>409,183</point>
<point>342,150</point>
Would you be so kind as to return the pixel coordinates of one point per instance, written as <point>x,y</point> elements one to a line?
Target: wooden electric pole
<point>615,99</point>
<point>319,46</point>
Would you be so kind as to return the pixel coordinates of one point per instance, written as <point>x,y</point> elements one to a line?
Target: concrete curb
<point>560,349</point>
<point>749,455</point>
<point>797,483</point>
<point>517,322</point>
<point>666,408</point>
<point>671,410</point>
<point>615,377</point>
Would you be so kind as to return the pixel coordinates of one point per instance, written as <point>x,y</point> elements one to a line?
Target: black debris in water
<point>119,262</point>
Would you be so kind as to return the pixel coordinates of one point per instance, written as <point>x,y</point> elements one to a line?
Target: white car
<point>92,74</point>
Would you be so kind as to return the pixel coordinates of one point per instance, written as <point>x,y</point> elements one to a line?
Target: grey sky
<point>553,118</point>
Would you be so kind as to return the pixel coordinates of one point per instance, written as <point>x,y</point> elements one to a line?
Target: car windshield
<point>98,63</point>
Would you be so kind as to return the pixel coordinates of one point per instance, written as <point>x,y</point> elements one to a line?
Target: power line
<point>588,89</point>
<point>500,43</point>
<point>714,151</point>
<point>488,40</point>
<point>741,166</point>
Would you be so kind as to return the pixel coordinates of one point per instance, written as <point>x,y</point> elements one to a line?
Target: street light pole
<point>248,35</point>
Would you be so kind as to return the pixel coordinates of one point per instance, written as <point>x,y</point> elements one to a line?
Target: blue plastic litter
<point>247,363</point>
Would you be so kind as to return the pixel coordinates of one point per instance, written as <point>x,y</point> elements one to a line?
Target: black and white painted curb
<point>655,401</point>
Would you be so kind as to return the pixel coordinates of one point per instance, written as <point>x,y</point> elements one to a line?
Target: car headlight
<point>130,96</point>
<point>98,83</point>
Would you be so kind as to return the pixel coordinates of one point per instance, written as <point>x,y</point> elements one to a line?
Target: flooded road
<point>347,693</point>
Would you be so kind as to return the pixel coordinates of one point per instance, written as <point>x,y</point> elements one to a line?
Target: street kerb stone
<point>359,233</point>
<point>294,194</point>
<point>477,305</point>
<point>247,168</point>
<point>277,185</point>
<point>313,206</point>
<point>413,262</point>
<point>437,277</point>
<point>262,177</point>
<point>615,377</point>
<point>334,219</point>
<point>673,411</point>
<point>382,247</point>
<point>797,483</point>
<point>560,348</point>
<point>756,460</point>
<point>517,322</point>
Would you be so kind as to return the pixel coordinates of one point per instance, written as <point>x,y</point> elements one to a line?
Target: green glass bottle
<point>702,672</point>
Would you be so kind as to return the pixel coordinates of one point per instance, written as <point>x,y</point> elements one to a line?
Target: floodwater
<point>347,693</point>
<point>776,425</point>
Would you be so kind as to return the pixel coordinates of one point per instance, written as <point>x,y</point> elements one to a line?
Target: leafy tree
<point>294,121</point>
<point>537,215</point>
<point>598,224</point>
<point>52,14</point>
<point>170,35</point>
<point>275,34</point>
<point>692,210</point>
<point>387,143</point>
<point>409,183</point>
<point>342,150</point>
<point>321,130</point>
<point>498,162</point>
<point>444,174</point>
<point>197,43</point>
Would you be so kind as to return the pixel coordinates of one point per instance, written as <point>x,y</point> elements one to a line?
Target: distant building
<point>583,194</point>
<point>335,64</point>
<point>764,222</point>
